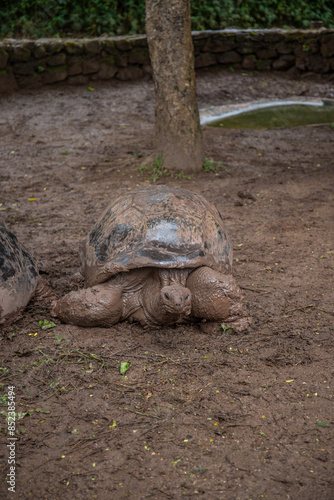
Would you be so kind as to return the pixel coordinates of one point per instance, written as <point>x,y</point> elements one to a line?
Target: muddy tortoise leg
<point>99,305</point>
<point>43,292</point>
<point>217,298</point>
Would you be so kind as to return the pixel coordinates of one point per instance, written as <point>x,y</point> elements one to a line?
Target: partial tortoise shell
<point>18,275</point>
<point>157,226</point>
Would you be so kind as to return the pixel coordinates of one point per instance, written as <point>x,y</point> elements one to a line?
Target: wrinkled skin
<point>156,297</point>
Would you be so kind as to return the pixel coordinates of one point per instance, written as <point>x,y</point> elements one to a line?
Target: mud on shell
<point>158,226</point>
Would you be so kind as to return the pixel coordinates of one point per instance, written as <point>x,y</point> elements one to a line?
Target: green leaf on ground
<point>46,324</point>
<point>125,365</point>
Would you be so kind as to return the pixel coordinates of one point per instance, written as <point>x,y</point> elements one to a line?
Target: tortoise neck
<point>152,300</point>
<point>169,277</point>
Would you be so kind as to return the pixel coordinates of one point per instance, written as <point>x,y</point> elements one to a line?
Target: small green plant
<point>322,424</point>
<point>211,165</point>
<point>182,175</point>
<point>3,400</point>
<point>156,170</point>
<point>39,410</point>
<point>227,329</point>
<point>46,324</point>
<point>18,416</point>
<point>43,361</point>
<point>143,169</point>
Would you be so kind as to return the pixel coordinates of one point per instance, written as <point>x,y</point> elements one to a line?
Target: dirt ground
<point>224,416</point>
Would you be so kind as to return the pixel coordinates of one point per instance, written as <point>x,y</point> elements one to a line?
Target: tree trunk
<point>177,126</point>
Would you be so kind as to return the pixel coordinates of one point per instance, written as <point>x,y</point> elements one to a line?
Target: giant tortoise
<point>157,255</point>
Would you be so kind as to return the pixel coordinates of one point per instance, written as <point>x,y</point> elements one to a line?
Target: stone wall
<point>27,64</point>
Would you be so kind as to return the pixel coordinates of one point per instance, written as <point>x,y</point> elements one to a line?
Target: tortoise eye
<point>167,296</point>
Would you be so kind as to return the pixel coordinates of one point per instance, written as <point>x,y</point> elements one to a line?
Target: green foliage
<point>38,18</point>
<point>219,14</point>
<point>46,18</point>
<point>210,165</point>
<point>156,170</point>
<point>182,175</point>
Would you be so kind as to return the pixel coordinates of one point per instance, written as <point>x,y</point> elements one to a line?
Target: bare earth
<point>226,416</point>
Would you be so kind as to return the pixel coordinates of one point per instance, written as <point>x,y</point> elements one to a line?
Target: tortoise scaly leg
<point>43,292</point>
<point>217,298</point>
<point>99,305</point>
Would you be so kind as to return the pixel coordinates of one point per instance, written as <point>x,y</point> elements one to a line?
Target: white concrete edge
<point>216,113</point>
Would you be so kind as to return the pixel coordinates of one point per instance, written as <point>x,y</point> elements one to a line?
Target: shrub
<point>49,18</point>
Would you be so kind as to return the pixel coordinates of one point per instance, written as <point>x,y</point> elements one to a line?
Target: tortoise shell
<point>157,226</point>
<point>18,276</point>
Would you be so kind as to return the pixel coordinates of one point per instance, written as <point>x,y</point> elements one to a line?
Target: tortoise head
<point>176,299</point>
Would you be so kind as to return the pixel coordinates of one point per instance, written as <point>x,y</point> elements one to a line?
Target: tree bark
<point>177,126</point>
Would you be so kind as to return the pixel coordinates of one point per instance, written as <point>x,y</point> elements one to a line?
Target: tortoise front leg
<point>99,305</point>
<point>44,293</point>
<point>217,298</point>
